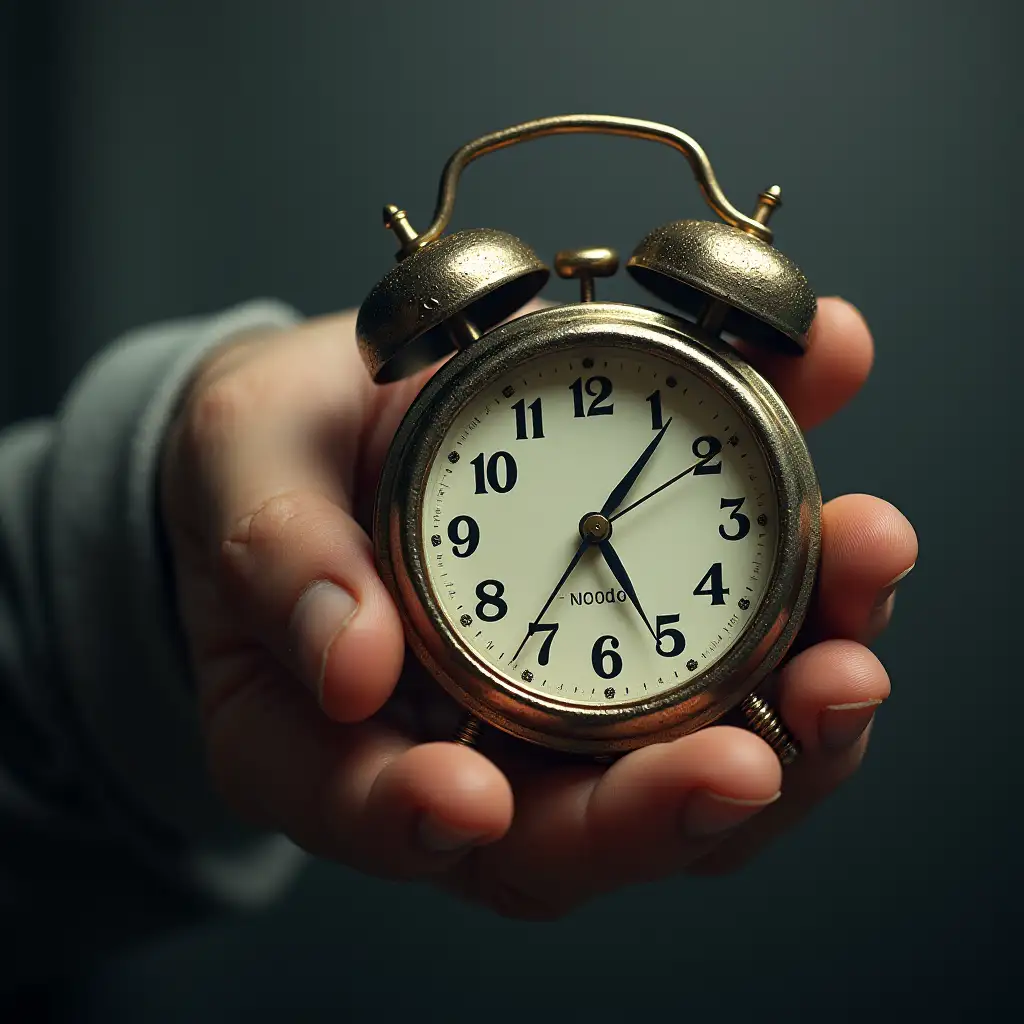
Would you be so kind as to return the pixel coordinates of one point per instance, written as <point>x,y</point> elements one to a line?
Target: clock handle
<point>588,124</point>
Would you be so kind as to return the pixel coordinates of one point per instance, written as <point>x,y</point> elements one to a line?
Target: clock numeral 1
<point>599,389</point>
<point>536,419</point>
<point>501,480</point>
<point>715,590</point>
<point>655,399</point>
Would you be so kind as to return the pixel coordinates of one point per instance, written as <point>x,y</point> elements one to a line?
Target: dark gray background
<point>173,158</point>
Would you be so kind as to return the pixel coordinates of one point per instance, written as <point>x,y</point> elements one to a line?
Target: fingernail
<point>440,837</point>
<point>890,588</point>
<point>841,725</point>
<point>709,814</point>
<point>322,612</point>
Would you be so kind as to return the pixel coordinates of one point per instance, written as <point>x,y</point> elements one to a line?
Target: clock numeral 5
<point>664,631</point>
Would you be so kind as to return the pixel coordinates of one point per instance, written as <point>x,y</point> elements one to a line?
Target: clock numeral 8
<point>491,600</point>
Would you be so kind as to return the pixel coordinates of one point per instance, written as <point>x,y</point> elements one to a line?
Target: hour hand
<point>622,578</point>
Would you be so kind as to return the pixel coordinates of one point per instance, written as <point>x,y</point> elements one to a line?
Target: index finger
<point>818,384</point>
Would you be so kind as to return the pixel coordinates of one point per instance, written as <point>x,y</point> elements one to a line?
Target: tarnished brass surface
<point>483,274</point>
<point>689,262</point>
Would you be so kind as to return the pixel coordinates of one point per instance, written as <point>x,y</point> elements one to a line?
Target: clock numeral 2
<point>715,590</point>
<point>536,419</point>
<point>714,448</point>
<point>500,480</point>
<point>599,389</point>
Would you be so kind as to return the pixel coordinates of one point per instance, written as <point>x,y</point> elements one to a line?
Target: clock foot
<point>469,731</point>
<point>767,724</point>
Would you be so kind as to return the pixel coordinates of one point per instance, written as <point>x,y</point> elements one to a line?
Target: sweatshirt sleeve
<point>108,827</point>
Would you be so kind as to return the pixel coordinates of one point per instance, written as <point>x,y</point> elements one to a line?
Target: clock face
<point>568,589</point>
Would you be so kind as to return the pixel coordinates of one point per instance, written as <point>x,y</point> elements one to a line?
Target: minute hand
<point>657,490</point>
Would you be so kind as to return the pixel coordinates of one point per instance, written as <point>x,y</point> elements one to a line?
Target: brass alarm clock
<point>600,524</point>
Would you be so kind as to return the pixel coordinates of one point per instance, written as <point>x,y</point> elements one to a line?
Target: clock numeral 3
<point>471,538</point>
<point>491,600</point>
<point>742,522</point>
<point>536,419</point>
<point>713,447</point>
<point>715,590</point>
<point>499,473</point>
<point>607,663</point>
<point>599,389</point>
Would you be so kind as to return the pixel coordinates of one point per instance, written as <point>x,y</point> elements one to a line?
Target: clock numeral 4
<point>599,389</point>
<point>715,590</point>
<point>499,473</point>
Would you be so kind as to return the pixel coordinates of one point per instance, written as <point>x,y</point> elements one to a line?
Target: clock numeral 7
<point>545,648</point>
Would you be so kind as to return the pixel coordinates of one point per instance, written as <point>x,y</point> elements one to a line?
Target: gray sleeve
<point>108,828</point>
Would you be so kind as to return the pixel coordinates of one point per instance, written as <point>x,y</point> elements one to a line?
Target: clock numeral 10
<point>499,473</point>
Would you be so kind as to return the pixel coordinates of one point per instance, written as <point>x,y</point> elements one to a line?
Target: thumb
<point>303,573</point>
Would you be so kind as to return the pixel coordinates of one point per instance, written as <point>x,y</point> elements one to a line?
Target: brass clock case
<point>497,699</point>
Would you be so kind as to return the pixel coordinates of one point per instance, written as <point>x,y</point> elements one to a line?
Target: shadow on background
<point>171,158</point>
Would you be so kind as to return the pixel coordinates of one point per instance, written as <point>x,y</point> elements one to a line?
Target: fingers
<point>579,831</point>
<point>303,574</point>
<point>362,794</point>
<point>839,356</point>
<point>868,546</point>
<point>828,696</point>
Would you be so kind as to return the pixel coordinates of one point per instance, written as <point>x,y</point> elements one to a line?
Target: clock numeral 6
<point>499,473</point>
<point>471,538</point>
<point>607,663</point>
<point>491,600</point>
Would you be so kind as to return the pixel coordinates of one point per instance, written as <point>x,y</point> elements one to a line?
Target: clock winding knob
<point>584,265</point>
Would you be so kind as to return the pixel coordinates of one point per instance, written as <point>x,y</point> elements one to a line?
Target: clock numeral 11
<point>536,419</point>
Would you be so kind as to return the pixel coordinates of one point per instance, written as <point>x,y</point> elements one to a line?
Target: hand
<point>267,484</point>
<point>623,580</point>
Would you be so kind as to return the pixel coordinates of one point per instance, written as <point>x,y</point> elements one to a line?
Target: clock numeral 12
<point>599,389</point>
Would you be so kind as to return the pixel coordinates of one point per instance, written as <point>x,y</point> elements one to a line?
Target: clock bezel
<point>475,684</point>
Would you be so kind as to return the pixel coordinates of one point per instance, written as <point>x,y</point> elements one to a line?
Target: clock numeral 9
<point>607,663</point>
<point>599,389</point>
<point>715,590</point>
<point>471,538</point>
<point>712,447</point>
<point>491,600</point>
<point>499,473</point>
<point>742,522</point>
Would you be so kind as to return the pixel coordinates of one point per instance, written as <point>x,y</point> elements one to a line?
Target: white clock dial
<point>534,453</point>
